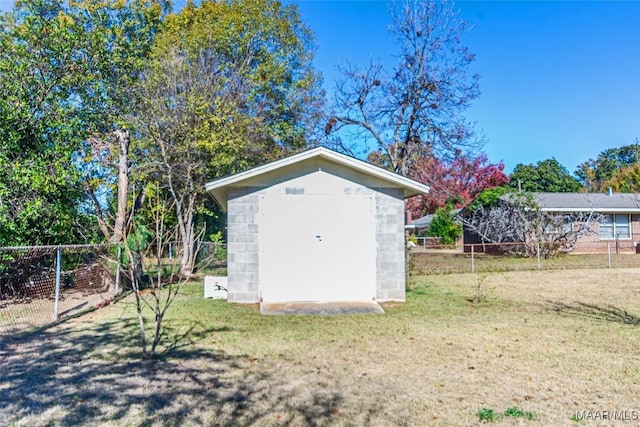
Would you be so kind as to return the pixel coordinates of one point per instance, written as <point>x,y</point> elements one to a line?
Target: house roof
<point>588,202</point>
<point>314,158</point>
<point>425,221</point>
<point>422,222</point>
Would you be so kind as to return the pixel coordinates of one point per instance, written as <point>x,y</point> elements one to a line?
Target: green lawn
<point>442,262</point>
<point>538,348</point>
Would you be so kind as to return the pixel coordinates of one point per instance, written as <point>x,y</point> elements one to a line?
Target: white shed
<point>318,226</point>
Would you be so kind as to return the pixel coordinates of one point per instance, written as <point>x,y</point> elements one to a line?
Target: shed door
<point>317,248</point>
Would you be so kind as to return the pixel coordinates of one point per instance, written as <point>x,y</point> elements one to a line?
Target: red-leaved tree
<point>463,179</point>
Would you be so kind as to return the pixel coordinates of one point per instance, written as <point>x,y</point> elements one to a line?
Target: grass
<point>438,262</point>
<point>488,415</point>
<point>516,412</point>
<point>553,342</point>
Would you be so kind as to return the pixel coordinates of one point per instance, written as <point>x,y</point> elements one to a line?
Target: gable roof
<point>422,222</point>
<point>588,202</point>
<point>219,189</point>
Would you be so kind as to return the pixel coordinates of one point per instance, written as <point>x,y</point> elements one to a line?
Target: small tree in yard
<point>228,85</point>
<point>445,225</point>
<point>156,289</point>
<point>514,219</point>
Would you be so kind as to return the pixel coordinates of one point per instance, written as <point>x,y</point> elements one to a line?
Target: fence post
<point>118,269</point>
<point>609,254</point>
<point>473,261</point>
<point>57,291</point>
<point>538,254</point>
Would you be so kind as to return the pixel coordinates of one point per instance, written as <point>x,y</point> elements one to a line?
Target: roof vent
<point>610,191</point>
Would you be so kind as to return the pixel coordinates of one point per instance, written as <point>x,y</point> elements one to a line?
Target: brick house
<point>619,231</point>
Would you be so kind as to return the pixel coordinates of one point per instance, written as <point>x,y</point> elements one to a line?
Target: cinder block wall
<point>242,245</point>
<point>390,255</point>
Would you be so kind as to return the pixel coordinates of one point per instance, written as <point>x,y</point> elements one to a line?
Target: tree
<point>625,180</point>
<point>146,242</point>
<point>66,70</point>
<point>41,126</point>
<point>229,85</point>
<point>461,179</point>
<point>120,36</point>
<point>445,224</point>
<point>515,223</point>
<point>545,176</point>
<point>415,110</point>
<point>594,173</point>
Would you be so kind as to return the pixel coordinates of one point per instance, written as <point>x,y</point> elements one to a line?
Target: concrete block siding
<point>390,257</point>
<point>242,245</point>
<point>243,233</point>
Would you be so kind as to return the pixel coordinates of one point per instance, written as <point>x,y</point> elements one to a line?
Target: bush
<point>445,226</point>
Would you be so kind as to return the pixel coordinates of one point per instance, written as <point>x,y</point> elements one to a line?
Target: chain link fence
<point>42,284</point>
<point>210,256</point>
<point>491,258</point>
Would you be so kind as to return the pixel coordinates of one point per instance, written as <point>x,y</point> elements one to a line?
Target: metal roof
<point>316,157</point>
<point>423,222</point>
<point>588,202</point>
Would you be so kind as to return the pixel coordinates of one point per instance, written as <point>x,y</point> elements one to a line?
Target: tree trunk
<point>104,228</point>
<point>139,303</point>
<point>122,139</point>
<point>187,238</point>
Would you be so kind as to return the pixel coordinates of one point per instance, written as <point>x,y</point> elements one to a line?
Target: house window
<point>615,226</point>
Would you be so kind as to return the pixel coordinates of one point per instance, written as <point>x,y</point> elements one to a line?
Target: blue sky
<point>558,79</point>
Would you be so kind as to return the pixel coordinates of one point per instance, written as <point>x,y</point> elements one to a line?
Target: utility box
<point>215,287</point>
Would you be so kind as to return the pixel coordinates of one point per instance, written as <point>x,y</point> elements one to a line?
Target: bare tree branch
<point>416,109</point>
<point>517,219</point>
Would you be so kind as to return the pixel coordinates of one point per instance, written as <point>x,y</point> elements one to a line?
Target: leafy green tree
<point>489,197</point>
<point>41,126</point>
<point>545,176</point>
<point>119,36</point>
<point>625,180</point>
<point>445,224</point>
<point>594,174</point>
<point>65,72</point>
<point>229,85</point>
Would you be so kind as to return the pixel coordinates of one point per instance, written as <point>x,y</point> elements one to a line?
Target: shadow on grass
<point>91,374</point>
<point>175,338</point>
<point>608,313</point>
